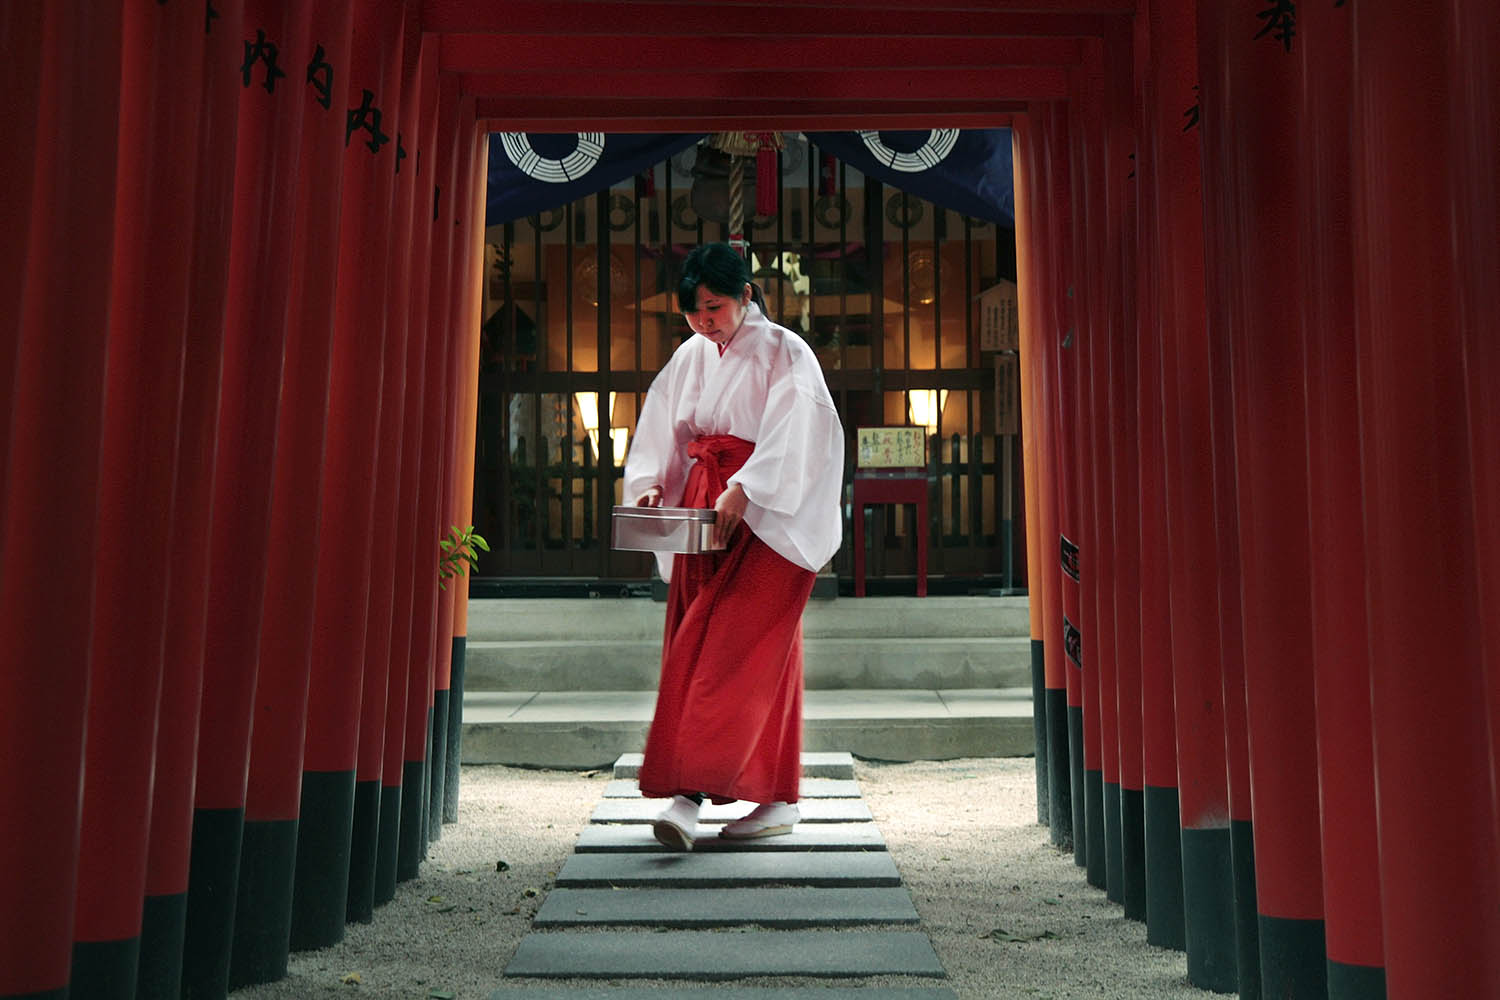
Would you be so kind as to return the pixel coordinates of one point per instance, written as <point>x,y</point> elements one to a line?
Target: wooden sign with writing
<point>892,448</point>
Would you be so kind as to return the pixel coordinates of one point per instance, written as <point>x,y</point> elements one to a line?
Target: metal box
<point>663,529</point>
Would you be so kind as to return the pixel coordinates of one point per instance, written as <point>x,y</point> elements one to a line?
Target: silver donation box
<point>663,529</point>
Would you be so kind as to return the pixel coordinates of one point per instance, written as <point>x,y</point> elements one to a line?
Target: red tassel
<point>827,176</point>
<point>767,175</point>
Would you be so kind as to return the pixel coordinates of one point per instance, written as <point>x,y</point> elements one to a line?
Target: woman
<point>740,421</point>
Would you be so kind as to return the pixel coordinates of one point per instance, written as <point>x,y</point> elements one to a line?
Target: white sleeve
<point>794,479</point>
<point>657,456</point>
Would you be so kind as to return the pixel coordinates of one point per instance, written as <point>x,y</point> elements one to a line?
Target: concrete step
<point>646,811</point>
<point>615,644</point>
<point>616,837</point>
<point>763,907</point>
<point>521,619</point>
<point>809,788</point>
<point>591,729</point>
<point>723,955</point>
<point>591,664</point>
<point>826,764</point>
<point>676,870</point>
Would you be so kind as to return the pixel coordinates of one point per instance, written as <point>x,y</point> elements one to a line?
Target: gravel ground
<point>1010,915</point>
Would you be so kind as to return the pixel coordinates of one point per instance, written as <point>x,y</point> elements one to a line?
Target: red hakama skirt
<point>728,720</point>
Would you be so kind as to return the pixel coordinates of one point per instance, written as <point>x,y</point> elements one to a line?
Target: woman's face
<point>717,317</point>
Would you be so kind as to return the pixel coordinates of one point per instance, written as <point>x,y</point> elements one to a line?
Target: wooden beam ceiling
<point>690,66</point>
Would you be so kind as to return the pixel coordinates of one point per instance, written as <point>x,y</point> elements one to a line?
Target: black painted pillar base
<point>1093,828</point>
<point>437,753</point>
<point>1077,787</point>
<point>1246,913</point>
<point>455,756</point>
<point>1355,982</point>
<point>1133,853</point>
<point>58,994</point>
<point>105,970</point>
<point>1114,886</point>
<point>322,883</point>
<point>163,925</point>
<point>213,882</point>
<point>1059,774</point>
<point>263,906</point>
<point>1164,908</point>
<point>387,849</point>
<point>412,840</point>
<point>1039,725</point>
<point>1208,905</point>
<point>364,846</point>
<point>1293,958</point>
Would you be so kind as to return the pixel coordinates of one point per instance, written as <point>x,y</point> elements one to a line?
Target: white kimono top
<point>767,388</point>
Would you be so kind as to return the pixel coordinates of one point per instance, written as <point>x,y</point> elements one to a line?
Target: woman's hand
<point>650,498</point>
<point>729,511</point>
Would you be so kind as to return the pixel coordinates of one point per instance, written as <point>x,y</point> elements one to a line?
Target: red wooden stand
<point>895,490</point>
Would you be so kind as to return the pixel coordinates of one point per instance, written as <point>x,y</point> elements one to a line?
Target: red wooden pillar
<point>162,49</point>
<point>448,684</point>
<point>1351,876</point>
<point>42,711</point>
<point>1188,415</point>
<point>21,34</point>
<point>319,50</point>
<point>1231,428</point>
<point>1156,367</point>
<point>255,334</point>
<point>415,553</point>
<point>1033,433</point>
<point>1474,88</point>
<point>1124,409</point>
<point>336,691</point>
<point>1261,168</point>
<point>1033,141</point>
<point>1110,168</point>
<point>1085,140</point>
<point>449,309</point>
<point>1054,161</point>
<point>1115,165</point>
<point>398,795</point>
<point>210,157</point>
<point>1441,924</point>
<point>388,473</point>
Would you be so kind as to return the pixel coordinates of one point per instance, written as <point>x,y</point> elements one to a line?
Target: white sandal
<point>676,827</point>
<point>771,819</point>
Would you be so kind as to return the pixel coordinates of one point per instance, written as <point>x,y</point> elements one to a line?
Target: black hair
<point>722,269</point>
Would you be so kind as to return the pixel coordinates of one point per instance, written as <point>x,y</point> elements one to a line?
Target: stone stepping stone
<point>813,811</point>
<point>636,837</point>
<point>847,869</point>
<point>722,955</point>
<point>811,788</point>
<point>815,764</point>
<point>781,907</point>
<point>727,993</point>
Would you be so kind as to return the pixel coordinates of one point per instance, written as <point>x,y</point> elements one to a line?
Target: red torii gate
<point>1262,447</point>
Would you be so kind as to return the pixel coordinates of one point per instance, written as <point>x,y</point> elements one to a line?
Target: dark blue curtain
<point>966,170</point>
<point>530,173</point>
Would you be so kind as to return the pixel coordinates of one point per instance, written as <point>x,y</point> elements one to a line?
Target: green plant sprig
<point>460,553</point>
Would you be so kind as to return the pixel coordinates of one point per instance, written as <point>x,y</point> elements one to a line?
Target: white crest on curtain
<point>939,144</point>
<point>555,171</point>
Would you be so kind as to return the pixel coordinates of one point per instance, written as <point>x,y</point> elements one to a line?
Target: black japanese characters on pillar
<point>366,117</point>
<point>261,51</point>
<point>1281,22</point>
<point>320,77</point>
